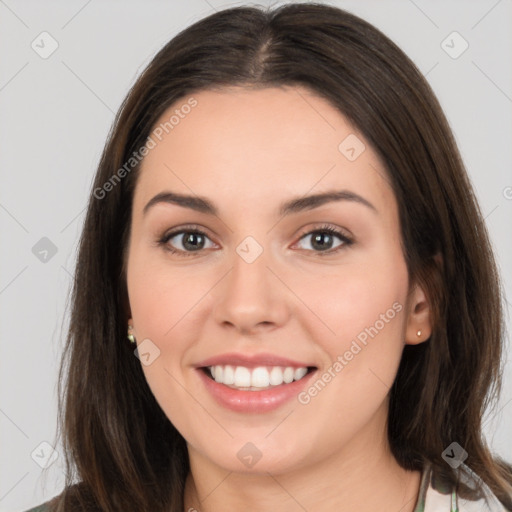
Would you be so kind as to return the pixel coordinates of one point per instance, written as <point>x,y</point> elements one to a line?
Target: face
<point>272,315</point>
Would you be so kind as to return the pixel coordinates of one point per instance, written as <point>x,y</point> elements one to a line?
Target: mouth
<point>259,378</point>
<point>254,383</point>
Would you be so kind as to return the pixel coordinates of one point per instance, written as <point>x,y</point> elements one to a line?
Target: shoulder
<point>436,495</point>
<point>47,506</point>
<point>41,508</point>
<point>75,497</point>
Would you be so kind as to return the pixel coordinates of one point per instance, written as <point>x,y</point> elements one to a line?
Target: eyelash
<point>163,241</point>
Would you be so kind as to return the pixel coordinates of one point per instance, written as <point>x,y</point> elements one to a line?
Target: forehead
<point>257,144</point>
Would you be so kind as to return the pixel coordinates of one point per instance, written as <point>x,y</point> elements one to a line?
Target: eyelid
<point>186,228</point>
<point>326,226</point>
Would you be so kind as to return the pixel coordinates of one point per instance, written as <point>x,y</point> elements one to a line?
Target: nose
<point>251,299</point>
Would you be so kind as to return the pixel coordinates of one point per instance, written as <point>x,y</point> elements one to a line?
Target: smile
<point>255,379</point>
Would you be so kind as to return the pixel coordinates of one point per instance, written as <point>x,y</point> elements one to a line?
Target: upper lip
<point>251,361</point>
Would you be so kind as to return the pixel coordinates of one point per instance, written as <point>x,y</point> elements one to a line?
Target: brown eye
<point>322,240</point>
<point>185,242</point>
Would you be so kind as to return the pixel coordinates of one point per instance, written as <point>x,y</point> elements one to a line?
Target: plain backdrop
<point>56,111</point>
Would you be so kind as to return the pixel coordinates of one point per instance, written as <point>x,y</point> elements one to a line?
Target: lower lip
<point>254,401</point>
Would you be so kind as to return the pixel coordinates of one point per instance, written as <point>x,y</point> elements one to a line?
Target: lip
<point>252,361</point>
<point>253,401</point>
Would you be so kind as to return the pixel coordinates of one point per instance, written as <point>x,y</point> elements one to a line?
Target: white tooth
<point>276,376</point>
<point>288,374</point>
<point>260,377</point>
<point>242,377</point>
<point>219,373</point>
<point>299,373</point>
<point>229,375</point>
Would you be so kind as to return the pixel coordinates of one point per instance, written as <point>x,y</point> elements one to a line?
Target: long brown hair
<point>122,452</point>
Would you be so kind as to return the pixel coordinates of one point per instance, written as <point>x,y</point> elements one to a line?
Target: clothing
<point>434,495</point>
<point>437,496</point>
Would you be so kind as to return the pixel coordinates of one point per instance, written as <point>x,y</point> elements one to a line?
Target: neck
<point>363,476</point>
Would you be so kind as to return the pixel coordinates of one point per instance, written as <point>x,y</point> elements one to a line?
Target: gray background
<point>55,115</point>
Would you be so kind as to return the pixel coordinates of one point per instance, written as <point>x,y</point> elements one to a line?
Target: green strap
<point>454,505</point>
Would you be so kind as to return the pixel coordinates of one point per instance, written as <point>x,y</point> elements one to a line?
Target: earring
<point>130,336</point>
<point>418,334</point>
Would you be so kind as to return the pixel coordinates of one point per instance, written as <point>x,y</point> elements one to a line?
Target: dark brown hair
<point>122,452</point>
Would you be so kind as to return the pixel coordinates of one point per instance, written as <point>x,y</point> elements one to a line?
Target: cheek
<point>358,299</point>
<point>162,300</point>
<point>364,304</point>
<point>365,307</point>
<point>160,294</point>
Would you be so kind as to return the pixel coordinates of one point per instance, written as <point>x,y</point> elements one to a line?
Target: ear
<point>419,317</point>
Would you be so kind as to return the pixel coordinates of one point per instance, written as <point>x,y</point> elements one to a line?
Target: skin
<point>248,151</point>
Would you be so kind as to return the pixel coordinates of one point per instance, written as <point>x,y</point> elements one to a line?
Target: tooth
<point>276,376</point>
<point>219,373</point>
<point>229,375</point>
<point>260,377</point>
<point>288,374</point>
<point>242,377</point>
<point>299,373</point>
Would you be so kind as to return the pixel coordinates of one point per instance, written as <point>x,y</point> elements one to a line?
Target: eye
<point>185,241</point>
<point>323,238</point>
<point>188,240</point>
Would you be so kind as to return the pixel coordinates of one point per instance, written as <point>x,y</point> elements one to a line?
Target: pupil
<point>317,239</point>
<point>191,242</point>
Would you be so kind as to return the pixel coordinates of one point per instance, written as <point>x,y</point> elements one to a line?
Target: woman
<point>282,226</point>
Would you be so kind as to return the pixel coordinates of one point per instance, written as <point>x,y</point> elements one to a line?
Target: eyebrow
<point>296,205</point>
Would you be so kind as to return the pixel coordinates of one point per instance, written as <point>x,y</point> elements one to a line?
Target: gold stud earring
<point>130,336</point>
<point>418,334</point>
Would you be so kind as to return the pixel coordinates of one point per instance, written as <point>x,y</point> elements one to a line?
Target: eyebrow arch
<point>316,200</point>
<point>203,205</point>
